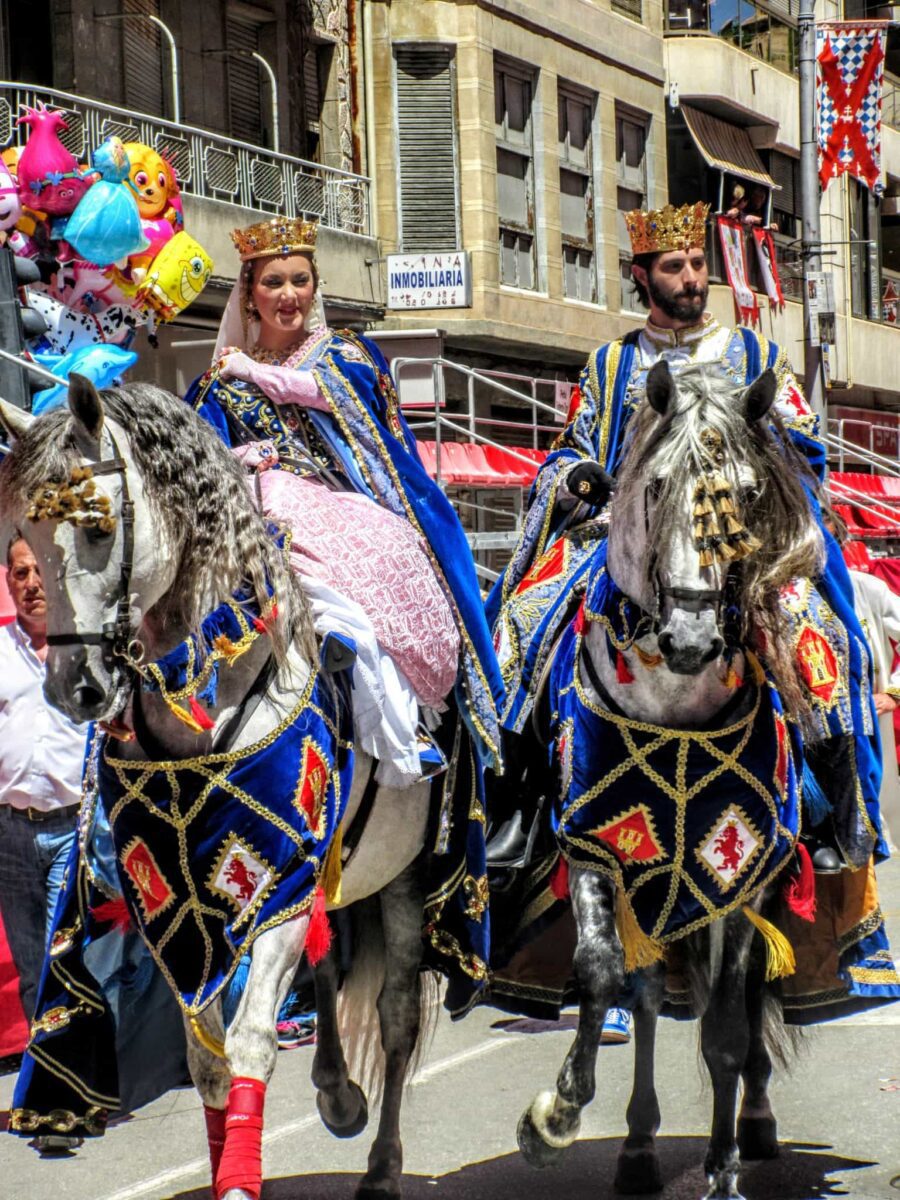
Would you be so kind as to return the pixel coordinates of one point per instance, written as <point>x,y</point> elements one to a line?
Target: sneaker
<point>296,1031</point>
<point>616,1028</point>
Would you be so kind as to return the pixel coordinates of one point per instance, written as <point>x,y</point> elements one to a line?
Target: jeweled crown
<point>667,228</point>
<point>280,235</point>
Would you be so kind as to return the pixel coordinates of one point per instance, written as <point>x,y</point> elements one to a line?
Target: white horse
<point>182,535</point>
<point>672,674</point>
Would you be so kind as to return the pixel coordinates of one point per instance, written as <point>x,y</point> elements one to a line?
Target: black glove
<point>589,483</point>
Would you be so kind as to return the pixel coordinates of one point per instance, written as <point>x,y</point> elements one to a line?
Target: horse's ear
<point>85,405</point>
<point>15,420</point>
<point>760,396</point>
<point>660,387</point>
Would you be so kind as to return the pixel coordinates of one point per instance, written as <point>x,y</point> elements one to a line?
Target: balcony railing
<point>766,30</point>
<point>208,165</point>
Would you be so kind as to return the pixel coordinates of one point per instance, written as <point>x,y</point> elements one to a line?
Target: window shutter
<point>244,110</point>
<point>142,58</point>
<point>783,169</point>
<point>427,135</point>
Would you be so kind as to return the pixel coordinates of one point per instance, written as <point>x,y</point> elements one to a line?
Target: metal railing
<point>841,438</point>
<point>208,165</point>
<point>760,30</point>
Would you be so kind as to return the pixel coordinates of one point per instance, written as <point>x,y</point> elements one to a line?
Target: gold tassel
<point>732,525</point>
<point>206,1039</point>
<point>732,679</point>
<point>182,714</point>
<point>640,950</point>
<point>332,871</point>
<point>706,558</point>
<point>231,651</point>
<point>780,959</point>
<point>725,552</point>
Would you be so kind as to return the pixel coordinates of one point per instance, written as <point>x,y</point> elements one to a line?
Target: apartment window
<point>631,186</point>
<point>426,128</point>
<point>628,8</point>
<point>865,252</point>
<point>513,95</point>
<point>576,194</point>
<point>245,108</point>
<point>142,58</point>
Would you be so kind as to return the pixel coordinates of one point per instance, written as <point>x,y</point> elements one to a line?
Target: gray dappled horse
<point>653,558</point>
<point>125,590</point>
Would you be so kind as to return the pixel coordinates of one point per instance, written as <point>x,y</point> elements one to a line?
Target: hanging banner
<point>768,267</point>
<point>849,77</point>
<point>731,235</point>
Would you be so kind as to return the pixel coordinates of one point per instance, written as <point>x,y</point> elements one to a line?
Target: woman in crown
<point>380,553</point>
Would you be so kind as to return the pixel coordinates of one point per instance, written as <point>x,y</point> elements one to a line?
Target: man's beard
<point>682,306</point>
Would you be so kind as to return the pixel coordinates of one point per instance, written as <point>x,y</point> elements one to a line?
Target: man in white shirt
<point>41,757</point>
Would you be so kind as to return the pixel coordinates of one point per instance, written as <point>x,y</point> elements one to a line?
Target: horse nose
<point>715,649</point>
<point>666,643</point>
<point>88,698</point>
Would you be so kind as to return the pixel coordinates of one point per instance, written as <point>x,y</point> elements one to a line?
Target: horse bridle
<point>115,636</point>
<point>691,599</point>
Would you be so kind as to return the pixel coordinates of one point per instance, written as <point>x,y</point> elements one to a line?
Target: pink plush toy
<point>49,177</point>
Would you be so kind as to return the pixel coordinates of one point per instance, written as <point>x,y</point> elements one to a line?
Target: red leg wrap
<point>215,1136</point>
<point>241,1164</point>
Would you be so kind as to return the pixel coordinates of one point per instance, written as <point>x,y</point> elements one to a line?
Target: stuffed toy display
<point>109,239</point>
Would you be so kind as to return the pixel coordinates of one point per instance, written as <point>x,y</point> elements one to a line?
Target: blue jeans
<point>33,857</point>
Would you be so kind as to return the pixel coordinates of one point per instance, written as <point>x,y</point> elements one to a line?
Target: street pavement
<point>838,1113</point>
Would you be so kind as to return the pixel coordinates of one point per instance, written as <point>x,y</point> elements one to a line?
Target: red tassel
<point>622,673</point>
<point>580,621</point>
<point>559,880</point>
<point>241,1164</point>
<point>114,912</point>
<point>800,891</point>
<point>202,717</point>
<point>318,936</point>
<point>261,624</point>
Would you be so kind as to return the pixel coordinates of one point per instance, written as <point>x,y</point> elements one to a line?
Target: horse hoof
<point>757,1137</point>
<point>371,1191</point>
<point>534,1149</point>
<point>637,1173</point>
<point>723,1188</point>
<point>346,1129</point>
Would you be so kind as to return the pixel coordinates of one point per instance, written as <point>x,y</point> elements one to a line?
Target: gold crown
<point>280,235</point>
<point>667,228</point>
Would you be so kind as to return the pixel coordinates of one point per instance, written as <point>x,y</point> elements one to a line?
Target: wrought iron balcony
<point>208,165</point>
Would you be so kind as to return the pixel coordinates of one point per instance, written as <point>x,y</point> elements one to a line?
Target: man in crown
<point>538,592</point>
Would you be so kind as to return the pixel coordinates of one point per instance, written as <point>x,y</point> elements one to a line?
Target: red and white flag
<point>731,235</point>
<point>768,267</point>
<point>849,77</point>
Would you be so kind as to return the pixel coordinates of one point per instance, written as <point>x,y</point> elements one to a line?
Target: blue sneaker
<point>616,1028</point>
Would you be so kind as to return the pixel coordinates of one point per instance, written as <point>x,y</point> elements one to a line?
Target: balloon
<point>49,177</point>
<point>102,365</point>
<point>69,330</point>
<point>152,180</point>
<point>106,226</point>
<point>10,204</point>
<point>178,275</point>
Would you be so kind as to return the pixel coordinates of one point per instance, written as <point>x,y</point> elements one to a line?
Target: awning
<point>726,147</point>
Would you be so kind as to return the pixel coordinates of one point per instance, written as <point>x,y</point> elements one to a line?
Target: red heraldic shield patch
<point>631,836</point>
<point>818,664</point>
<point>153,892</point>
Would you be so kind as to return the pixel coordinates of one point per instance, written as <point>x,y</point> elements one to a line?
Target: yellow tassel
<point>725,552</point>
<point>206,1039</point>
<point>732,679</point>
<point>732,525</point>
<point>183,715</point>
<point>706,558</point>
<point>332,872</point>
<point>780,959</point>
<point>230,650</point>
<point>640,950</point>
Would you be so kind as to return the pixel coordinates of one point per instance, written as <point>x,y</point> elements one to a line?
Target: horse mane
<point>669,450</point>
<point>196,490</point>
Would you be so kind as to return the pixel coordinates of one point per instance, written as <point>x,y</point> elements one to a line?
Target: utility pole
<point>811,242</point>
